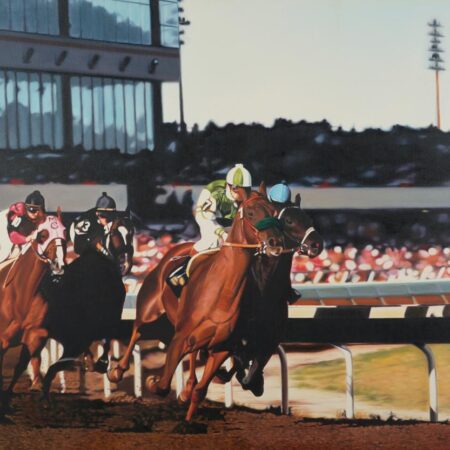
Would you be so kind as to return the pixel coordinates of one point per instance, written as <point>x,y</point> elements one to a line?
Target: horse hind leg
<point>67,361</point>
<point>199,392</point>
<point>102,363</point>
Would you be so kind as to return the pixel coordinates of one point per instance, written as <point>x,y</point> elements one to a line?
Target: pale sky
<point>355,63</point>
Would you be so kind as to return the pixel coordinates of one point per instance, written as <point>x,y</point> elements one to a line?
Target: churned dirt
<point>74,421</point>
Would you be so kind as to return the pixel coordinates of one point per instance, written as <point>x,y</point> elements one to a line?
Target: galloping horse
<point>156,298</point>
<point>22,307</point>
<point>263,322</point>
<point>86,305</point>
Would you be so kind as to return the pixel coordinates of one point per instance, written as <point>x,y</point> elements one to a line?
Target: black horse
<point>86,304</point>
<point>264,314</point>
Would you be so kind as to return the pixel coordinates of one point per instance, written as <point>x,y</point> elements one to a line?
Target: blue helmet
<point>280,193</point>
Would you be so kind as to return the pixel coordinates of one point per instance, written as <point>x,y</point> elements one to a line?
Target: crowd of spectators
<point>336,264</point>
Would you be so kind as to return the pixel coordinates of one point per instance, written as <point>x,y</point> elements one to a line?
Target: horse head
<point>119,243</point>
<point>256,226</point>
<point>50,243</point>
<point>298,229</point>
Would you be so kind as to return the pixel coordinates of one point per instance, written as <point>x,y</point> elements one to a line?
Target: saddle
<point>180,276</point>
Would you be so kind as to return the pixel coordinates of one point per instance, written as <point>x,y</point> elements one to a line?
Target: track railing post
<point>432,381</point>
<point>106,382</point>
<point>179,378</point>
<point>284,380</point>
<point>137,371</point>
<point>228,388</point>
<point>349,394</point>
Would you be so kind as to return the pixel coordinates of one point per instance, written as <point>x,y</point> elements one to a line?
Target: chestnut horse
<point>156,298</point>
<point>22,307</point>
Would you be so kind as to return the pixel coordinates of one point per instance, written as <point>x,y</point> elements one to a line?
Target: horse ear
<point>298,200</point>
<point>263,189</point>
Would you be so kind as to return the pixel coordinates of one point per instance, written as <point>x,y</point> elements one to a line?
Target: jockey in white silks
<point>219,200</point>
<point>216,207</point>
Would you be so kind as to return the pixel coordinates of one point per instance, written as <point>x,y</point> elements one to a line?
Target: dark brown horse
<point>22,307</point>
<point>263,320</point>
<point>86,305</point>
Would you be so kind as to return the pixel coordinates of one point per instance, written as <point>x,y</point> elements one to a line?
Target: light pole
<point>436,62</point>
<point>182,22</point>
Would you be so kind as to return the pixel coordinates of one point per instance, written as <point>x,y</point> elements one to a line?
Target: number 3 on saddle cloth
<point>179,277</point>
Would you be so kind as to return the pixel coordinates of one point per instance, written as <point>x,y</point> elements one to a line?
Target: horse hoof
<point>36,386</point>
<point>152,386</point>
<point>183,399</point>
<point>222,376</point>
<point>101,366</point>
<point>115,375</point>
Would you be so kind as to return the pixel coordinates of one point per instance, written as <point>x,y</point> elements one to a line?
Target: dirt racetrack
<point>73,422</point>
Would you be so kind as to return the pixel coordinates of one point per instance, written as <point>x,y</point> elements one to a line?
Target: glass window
<point>32,16</point>
<point>30,110</point>
<point>23,105</point>
<point>11,109</point>
<point>35,109</point>
<point>77,125</point>
<point>125,21</point>
<point>110,113</point>
<point>3,121</point>
<point>88,123</point>
<point>168,17</point>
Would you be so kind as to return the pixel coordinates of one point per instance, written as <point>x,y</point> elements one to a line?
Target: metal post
<point>228,386</point>
<point>179,378</point>
<point>350,398</point>
<point>284,380</point>
<point>106,382</point>
<point>62,379</point>
<point>137,371</point>
<point>432,381</point>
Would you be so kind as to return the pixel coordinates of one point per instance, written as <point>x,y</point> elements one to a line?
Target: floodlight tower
<point>182,22</point>
<point>436,61</point>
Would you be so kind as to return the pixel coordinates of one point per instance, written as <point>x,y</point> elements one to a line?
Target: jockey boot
<point>178,278</point>
<point>293,296</point>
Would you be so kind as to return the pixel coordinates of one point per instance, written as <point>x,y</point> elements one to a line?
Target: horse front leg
<point>191,382</point>
<point>102,363</point>
<point>175,352</point>
<point>36,382</point>
<point>199,393</point>
<point>116,374</point>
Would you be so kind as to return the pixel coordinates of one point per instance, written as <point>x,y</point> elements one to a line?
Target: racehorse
<point>86,305</point>
<point>265,308</point>
<point>22,307</point>
<point>211,301</point>
<point>263,321</point>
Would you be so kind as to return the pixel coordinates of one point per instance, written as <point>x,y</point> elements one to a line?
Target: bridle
<point>301,246</point>
<point>263,224</point>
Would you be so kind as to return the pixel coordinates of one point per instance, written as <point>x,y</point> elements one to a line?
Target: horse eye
<point>250,214</point>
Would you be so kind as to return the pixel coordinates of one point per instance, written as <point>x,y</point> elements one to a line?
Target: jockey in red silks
<point>23,218</point>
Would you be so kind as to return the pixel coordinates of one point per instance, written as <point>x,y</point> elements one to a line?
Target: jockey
<point>23,218</point>
<point>219,200</point>
<point>90,228</point>
<point>216,207</point>
<point>280,196</point>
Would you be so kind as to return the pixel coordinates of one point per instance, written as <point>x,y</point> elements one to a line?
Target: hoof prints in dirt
<point>190,428</point>
<point>70,411</point>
